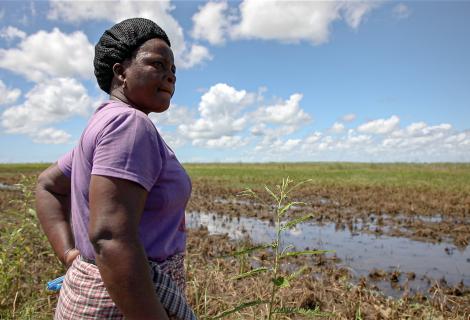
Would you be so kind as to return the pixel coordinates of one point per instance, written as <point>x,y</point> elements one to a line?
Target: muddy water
<point>8,187</point>
<point>360,252</point>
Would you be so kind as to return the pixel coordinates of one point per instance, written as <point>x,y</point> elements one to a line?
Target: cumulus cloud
<point>50,54</point>
<point>220,113</point>
<point>211,23</point>
<point>274,146</point>
<point>337,127</point>
<point>380,126</point>
<point>283,21</point>
<point>10,33</point>
<point>355,11</point>
<point>49,102</point>
<point>186,55</point>
<point>421,129</point>
<point>7,95</point>
<point>175,115</point>
<point>401,11</point>
<point>196,55</point>
<point>350,117</point>
<point>51,136</point>
<point>222,143</point>
<point>284,113</point>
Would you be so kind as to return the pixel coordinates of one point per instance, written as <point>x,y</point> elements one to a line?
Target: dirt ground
<point>323,285</point>
<point>425,215</point>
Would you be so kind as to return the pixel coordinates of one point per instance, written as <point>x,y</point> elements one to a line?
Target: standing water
<point>360,252</point>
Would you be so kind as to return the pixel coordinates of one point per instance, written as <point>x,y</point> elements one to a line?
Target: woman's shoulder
<point>115,113</point>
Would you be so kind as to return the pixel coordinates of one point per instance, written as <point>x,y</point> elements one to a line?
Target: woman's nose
<point>171,77</point>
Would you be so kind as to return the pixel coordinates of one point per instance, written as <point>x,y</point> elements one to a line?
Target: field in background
<point>424,202</point>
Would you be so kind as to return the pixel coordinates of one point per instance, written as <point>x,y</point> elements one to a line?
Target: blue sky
<point>371,81</point>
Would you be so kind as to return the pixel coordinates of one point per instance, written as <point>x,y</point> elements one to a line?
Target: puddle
<point>360,252</point>
<point>8,187</point>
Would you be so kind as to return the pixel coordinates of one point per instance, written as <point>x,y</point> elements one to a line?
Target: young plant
<point>279,278</point>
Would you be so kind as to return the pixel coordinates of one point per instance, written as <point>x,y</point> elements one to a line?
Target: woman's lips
<point>166,90</point>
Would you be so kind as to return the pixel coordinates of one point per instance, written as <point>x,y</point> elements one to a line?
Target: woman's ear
<point>118,71</point>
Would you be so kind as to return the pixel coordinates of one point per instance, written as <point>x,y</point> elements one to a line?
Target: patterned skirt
<point>84,296</point>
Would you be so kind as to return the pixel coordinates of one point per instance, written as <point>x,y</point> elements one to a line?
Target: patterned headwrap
<point>117,44</point>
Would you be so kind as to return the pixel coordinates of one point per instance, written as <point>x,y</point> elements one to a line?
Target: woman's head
<point>134,62</point>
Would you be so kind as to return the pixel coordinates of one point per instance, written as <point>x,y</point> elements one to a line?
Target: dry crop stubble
<point>326,285</point>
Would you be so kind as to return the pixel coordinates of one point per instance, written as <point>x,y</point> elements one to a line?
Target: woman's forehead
<point>156,47</point>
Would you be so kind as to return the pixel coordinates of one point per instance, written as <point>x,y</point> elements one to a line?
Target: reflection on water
<point>8,187</point>
<point>359,251</point>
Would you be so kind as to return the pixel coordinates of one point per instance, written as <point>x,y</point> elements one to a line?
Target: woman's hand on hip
<point>70,256</point>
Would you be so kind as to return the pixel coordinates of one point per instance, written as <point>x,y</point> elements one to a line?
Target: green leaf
<point>306,252</point>
<point>288,206</point>
<point>249,273</point>
<point>246,193</point>
<point>281,282</point>
<point>239,307</point>
<point>297,273</point>
<point>271,193</point>
<point>286,248</point>
<point>298,185</point>
<point>297,221</point>
<point>249,250</point>
<point>31,211</point>
<point>303,311</point>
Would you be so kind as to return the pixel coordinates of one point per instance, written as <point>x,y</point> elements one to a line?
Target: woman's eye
<point>159,65</point>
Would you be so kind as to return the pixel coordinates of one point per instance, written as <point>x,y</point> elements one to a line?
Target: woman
<point>125,189</point>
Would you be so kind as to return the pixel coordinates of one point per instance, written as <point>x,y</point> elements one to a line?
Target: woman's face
<point>150,77</point>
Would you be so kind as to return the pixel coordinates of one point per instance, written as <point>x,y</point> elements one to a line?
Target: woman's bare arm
<point>116,206</point>
<point>53,211</point>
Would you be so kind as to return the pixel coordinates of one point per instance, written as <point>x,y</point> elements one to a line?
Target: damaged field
<point>400,233</point>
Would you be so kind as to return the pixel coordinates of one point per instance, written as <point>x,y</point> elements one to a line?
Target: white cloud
<point>401,11</point>
<point>350,117</point>
<point>175,115</point>
<point>172,138</point>
<point>355,11</point>
<point>210,22</point>
<point>284,113</point>
<point>8,96</point>
<point>296,21</point>
<point>49,102</point>
<point>380,126</point>
<point>258,129</point>
<point>337,127</point>
<point>421,129</point>
<point>313,138</point>
<point>354,139</point>
<point>276,146</point>
<point>115,11</point>
<point>196,55</point>
<point>51,136</point>
<point>50,54</point>
<point>220,110</point>
<point>10,33</point>
<point>222,142</point>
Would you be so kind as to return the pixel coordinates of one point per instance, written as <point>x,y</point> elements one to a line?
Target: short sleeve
<point>128,148</point>
<point>65,163</point>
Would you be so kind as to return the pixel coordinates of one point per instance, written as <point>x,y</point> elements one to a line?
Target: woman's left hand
<point>70,257</point>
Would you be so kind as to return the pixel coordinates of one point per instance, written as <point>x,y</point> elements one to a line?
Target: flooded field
<point>414,263</point>
<point>400,235</point>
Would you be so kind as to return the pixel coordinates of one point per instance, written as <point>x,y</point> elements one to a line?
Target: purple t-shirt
<point>122,142</point>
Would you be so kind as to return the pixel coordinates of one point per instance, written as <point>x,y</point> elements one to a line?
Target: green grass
<point>441,176</point>
<point>434,176</point>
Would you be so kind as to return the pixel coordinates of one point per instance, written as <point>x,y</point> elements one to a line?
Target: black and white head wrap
<point>117,44</point>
